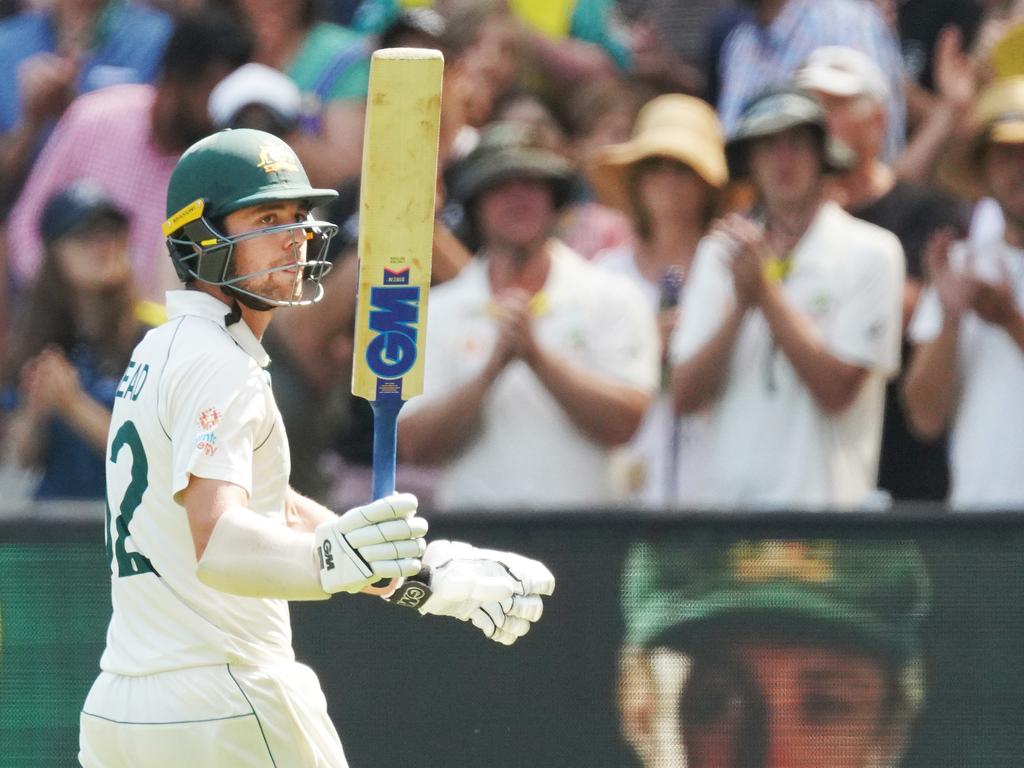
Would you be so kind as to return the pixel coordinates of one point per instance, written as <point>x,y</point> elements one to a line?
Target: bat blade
<point>396,225</point>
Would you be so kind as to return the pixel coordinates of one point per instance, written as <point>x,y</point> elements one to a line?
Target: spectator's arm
<point>607,411</point>
<point>57,165</point>
<point>956,81</point>
<point>16,150</point>
<point>833,383</point>
<point>46,85</point>
<point>441,426</point>
<point>5,291</point>
<point>335,153</point>
<point>449,254</point>
<point>88,418</point>
<point>697,380</point>
<point>27,435</point>
<point>930,386</point>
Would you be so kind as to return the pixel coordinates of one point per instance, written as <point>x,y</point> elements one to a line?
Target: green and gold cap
<point>236,168</point>
<point>871,592</point>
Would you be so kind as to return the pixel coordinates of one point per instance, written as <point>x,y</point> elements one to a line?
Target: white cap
<point>842,71</point>
<point>254,84</point>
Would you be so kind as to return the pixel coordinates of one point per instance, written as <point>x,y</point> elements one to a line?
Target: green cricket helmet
<point>226,172</point>
<point>874,593</point>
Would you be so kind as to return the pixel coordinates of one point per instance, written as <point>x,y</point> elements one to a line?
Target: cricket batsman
<point>207,542</point>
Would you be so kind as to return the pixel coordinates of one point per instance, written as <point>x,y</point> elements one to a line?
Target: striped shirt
<point>104,135</point>
<point>755,57</point>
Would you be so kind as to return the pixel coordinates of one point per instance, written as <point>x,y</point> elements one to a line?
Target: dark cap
<point>778,110</point>
<point>510,151</point>
<point>76,207</point>
<point>873,593</point>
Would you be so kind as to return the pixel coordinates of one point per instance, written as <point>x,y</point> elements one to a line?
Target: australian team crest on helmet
<point>277,157</point>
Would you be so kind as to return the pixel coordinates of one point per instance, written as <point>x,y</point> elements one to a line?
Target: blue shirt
<point>72,468</point>
<point>755,58</point>
<point>127,48</point>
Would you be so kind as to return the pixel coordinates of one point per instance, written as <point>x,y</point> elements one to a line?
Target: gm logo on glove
<point>326,558</point>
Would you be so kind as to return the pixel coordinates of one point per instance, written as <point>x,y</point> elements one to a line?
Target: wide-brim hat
<point>996,118</point>
<point>509,151</point>
<point>1007,57</point>
<point>776,111</point>
<point>675,126</point>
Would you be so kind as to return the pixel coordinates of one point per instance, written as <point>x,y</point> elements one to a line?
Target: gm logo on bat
<point>395,311</point>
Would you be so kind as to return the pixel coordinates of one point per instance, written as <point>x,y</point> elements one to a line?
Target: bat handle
<point>385,445</point>
<point>385,453</point>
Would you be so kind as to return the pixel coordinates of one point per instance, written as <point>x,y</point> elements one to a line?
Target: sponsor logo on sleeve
<point>206,440</point>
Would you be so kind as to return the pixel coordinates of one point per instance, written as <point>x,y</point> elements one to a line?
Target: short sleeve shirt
<point>770,443</point>
<point>194,401</point>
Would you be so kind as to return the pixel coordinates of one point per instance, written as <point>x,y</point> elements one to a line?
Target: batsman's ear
<point>637,704</point>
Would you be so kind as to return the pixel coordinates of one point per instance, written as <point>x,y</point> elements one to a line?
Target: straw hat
<point>679,127</point>
<point>1007,56</point>
<point>997,118</point>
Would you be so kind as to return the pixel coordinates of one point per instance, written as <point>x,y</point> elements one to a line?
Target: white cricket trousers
<point>223,716</point>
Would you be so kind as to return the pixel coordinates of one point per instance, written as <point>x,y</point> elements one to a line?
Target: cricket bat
<point>396,227</point>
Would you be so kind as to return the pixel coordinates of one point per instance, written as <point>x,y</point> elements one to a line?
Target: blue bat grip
<point>385,446</point>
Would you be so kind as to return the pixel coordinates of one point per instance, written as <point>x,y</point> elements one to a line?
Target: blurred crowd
<point>711,254</point>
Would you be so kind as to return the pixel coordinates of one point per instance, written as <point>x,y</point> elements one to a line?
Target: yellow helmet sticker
<point>189,213</point>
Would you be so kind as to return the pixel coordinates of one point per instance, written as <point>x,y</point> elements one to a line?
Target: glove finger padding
<point>393,550</point>
<point>392,530</point>
<point>397,506</point>
<point>533,575</point>
<point>529,607</point>
<point>492,621</point>
<point>393,569</point>
<point>441,551</point>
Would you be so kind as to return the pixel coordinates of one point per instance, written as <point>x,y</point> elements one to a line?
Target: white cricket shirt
<point>987,439</point>
<point>527,451</point>
<point>195,400</point>
<point>770,444</point>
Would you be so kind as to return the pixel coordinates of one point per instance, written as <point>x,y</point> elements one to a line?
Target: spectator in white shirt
<point>792,324</point>
<point>538,363</point>
<point>967,368</point>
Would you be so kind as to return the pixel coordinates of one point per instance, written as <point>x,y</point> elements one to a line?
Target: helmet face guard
<point>202,252</point>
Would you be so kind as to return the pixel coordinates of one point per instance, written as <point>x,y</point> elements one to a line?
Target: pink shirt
<point>104,135</point>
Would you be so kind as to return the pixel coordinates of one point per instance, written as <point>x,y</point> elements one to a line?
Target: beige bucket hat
<point>679,127</point>
<point>996,118</point>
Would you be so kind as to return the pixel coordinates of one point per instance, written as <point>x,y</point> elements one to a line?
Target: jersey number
<point>128,563</point>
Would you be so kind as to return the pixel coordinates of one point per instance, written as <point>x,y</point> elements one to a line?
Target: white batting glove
<point>382,540</point>
<point>499,592</point>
